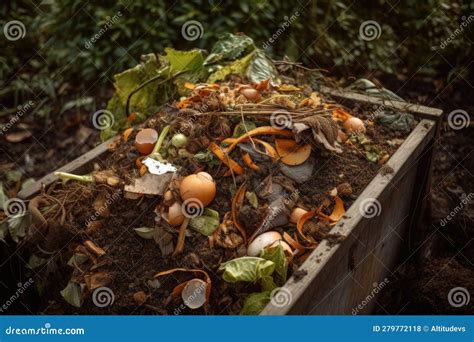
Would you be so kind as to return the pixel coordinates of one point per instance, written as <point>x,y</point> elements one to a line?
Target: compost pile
<point>209,205</point>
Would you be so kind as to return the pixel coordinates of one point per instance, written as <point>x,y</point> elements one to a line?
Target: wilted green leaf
<point>36,261</point>
<point>207,223</point>
<point>77,259</point>
<point>72,294</point>
<point>145,232</point>
<point>27,183</point>
<point>17,226</point>
<point>255,303</point>
<point>230,47</point>
<point>277,255</point>
<point>252,198</point>
<point>261,68</point>
<point>251,269</point>
<point>237,67</point>
<point>241,128</point>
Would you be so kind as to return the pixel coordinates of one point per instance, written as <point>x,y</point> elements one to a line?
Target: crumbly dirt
<point>131,262</point>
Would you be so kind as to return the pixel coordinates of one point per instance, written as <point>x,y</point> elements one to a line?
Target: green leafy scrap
<point>250,269</point>
<point>255,303</point>
<point>229,47</point>
<point>207,223</point>
<point>72,294</point>
<point>277,256</point>
<point>261,68</point>
<point>238,67</point>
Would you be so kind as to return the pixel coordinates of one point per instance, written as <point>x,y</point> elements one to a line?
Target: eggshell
<point>199,186</point>
<point>355,125</point>
<point>251,94</point>
<point>286,248</point>
<point>168,198</point>
<point>146,140</point>
<point>194,293</point>
<point>296,214</point>
<point>175,215</point>
<point>262,241</point>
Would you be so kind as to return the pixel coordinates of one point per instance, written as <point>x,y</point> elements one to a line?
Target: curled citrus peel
<point>178,289</point>
<point>291,153</point>
<point>249,162</point>
<point>224,157</point>
<point>263,130</point>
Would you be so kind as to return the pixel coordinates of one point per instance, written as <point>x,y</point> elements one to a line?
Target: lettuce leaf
<point>251,269</point>
<point>207,223</point>
<point>277,256</point>
<point>255,303</point>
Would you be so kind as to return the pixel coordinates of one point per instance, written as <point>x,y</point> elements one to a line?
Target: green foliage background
<point>52,60</point>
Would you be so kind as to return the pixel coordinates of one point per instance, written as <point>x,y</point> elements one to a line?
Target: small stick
<point>181,237</point>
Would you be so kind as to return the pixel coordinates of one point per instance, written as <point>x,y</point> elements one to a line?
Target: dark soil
<point>131,262</point>
<point>420,284</point>
<point>443,258</point>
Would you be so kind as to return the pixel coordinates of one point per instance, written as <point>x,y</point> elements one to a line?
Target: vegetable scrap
<point>222,192</point>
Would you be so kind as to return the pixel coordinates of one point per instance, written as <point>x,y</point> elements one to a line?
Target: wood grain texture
<point>340,277</point>
<point>78,165</point>
<point>417,110</point>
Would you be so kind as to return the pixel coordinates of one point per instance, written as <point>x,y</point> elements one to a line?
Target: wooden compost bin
<point>337,278</point>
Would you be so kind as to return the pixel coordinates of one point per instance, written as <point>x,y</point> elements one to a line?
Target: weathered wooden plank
<point>78,165</point>
<point>339,277</point>
<point>415,109</point>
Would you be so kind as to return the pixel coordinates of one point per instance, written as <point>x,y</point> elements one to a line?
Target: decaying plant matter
<point>227,190</point>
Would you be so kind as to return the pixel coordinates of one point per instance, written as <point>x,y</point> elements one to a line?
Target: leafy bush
<point>57,53</point>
